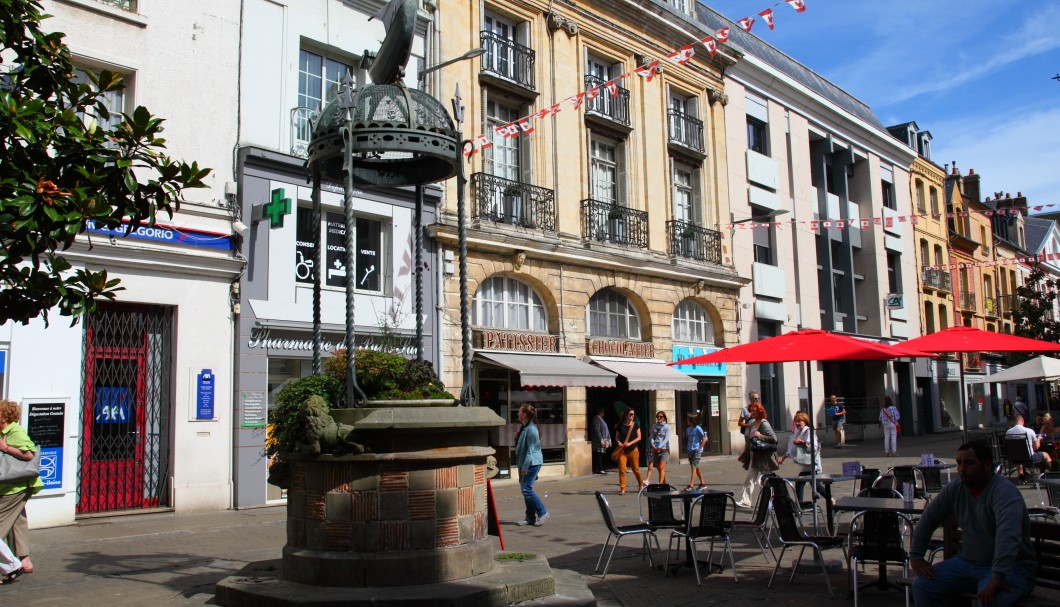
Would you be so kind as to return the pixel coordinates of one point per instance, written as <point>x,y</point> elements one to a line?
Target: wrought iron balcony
<point>614,108</point>
<point>685,130</point>
<point>692,241</point>
<point>301,130</point>
<point>616,224</point>
<point>1008,304</point>
<point>507,60</point>
<point>990,307</point>
<point>513,202</point>
<point>937,279</point>
<point>966,300</point>
<point>125,5</point>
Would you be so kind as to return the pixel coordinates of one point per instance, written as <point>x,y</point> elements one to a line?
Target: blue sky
<point>976,73</point>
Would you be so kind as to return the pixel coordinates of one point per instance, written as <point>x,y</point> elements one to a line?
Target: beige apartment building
<point>595,203</point>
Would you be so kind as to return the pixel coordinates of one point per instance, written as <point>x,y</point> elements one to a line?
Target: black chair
<point>711,524</point>
<point>933,478</point>
<point>868,477</point>
<point>759,522</point>
<point>645,530</point>
<point>881,492</point>
<point>781,486</point>
<point>1017,453</point>
<point>878,537</point>
<point>1048,495</point>
<point>909,474</point>
<point>786,512</point>
<point>660,509</point>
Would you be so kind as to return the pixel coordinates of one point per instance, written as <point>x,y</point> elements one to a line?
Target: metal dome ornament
<point>379,135</point>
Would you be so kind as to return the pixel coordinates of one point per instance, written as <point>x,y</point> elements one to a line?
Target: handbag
<point>619,451</point>
<point>898,428</point>
<point>762,446</point>
<point>605,442</point>
<point>13,469</point>
<point>830,411</point>
<point>802,455</point>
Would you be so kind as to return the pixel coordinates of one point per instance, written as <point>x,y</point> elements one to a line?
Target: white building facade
<point>132,405</point>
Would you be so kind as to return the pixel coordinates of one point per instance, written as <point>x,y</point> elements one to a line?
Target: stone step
<point>571,591</point>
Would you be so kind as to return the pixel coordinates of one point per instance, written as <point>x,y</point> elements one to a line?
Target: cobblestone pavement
<point>167,559</point>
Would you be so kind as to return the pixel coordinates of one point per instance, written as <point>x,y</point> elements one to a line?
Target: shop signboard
<point>682,352</point>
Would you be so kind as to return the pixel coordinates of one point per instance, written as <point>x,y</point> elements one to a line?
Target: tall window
<point>692,323</point>
<point>607,172</point>
<point>508,303</point>
<point>611,315</point>
<point>929,317</point>
<point>502,158</point>
<point>114,101</point>
<point>370,258</point>
<point>684,194</point>
<point>764,239</point>
<point>933,194</point>
<point>925,252</point>
<point>757,119</point>
<point>894,272</point>
<point>920,197</point>
<point>887,187</point>
<point>318,78</point>
<point>500,51</point>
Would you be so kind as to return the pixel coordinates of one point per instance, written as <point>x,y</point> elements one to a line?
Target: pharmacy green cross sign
<point>276,208</point>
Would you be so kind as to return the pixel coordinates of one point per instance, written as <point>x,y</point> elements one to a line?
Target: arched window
<point>611,315</point>
<point>692,323</point>
<point>508,303</point>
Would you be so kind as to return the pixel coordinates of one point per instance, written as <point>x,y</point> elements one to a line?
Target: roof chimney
<point>971,185</point>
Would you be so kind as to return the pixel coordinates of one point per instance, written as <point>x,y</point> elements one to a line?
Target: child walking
<point>696,439</point>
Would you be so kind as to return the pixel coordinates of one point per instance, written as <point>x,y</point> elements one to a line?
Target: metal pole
<point>418,243</point>
<point>317,265</point>
<point>353,391</point>
<point>467,395</point>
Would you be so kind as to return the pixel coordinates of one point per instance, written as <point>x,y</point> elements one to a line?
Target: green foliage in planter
<point>387,376</point>
<point>286,425</point>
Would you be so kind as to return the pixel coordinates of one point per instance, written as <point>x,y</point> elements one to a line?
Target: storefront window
<point>499,390</point>
<point>508,303</point>
<point>283,371</point>
<point>611,315</point>
<point>369,259</point>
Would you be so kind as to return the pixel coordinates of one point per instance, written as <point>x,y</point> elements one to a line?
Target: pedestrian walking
<point>838,412</point>
<point>762,448</point>
<point>628,435</point>
<point>528,458</point>
<point>659,448</point>
<point>889,417</point>
<point>600,437</point>
<point>14,526</point>
<point>697,438</point>
<point>806,456</point>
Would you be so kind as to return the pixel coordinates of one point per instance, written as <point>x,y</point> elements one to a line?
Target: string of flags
<point>1029,259</point>
<point>887,222</point>
<point>648,71</point>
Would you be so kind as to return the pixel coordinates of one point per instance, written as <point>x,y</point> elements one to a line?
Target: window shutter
<point>620,185</point>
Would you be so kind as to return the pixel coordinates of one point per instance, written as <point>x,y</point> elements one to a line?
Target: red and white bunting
<point>682,55</point>
<point>592,93</point>
<point>712,46</point>
<point>722,34</point>
<point>767,16</point>
<point>746,23</point>
<point>798,5</point>
<point>611,88</point>
<point>525,125</point>
<point>648,71</point>
<point>577,100</point>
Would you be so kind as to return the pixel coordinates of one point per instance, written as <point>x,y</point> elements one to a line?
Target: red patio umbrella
<point>805,345</point>
<point>971,339</point>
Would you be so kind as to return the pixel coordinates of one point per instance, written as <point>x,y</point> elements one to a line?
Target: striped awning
<point>550,370</point>
<point>647,374</point>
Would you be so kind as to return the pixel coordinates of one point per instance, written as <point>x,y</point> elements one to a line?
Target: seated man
<point>997,560</point>
<point>1039,457</point>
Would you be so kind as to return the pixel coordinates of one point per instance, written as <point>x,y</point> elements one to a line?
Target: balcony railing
<point>125,5</point>
<point>685,130</point>
<point>614,108</point>
<point>990,307</point>
<point>694,242</point>
<point>513,202</point>
<point>616,224</point>
<point>966,300</point>
<point>937,279</point>
<point>507,59</point>
<point>301,130</point>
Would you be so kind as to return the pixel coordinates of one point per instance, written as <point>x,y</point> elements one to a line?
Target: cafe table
<point>686,498</point>
<point>826,481</point>
<point>880,504</point>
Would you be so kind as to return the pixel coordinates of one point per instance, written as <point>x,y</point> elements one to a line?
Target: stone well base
<point>509,582</point>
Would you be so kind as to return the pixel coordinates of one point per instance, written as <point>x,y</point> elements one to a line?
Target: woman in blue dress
<point>529,459</point>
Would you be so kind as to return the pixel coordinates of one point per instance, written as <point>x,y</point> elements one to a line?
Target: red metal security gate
<point>125,417</point>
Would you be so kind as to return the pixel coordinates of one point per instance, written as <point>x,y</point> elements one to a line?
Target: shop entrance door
<point>124,453</point>
<point>706,401</point>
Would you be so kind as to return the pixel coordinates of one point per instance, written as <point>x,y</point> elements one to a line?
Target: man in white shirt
<point>1034,441</point>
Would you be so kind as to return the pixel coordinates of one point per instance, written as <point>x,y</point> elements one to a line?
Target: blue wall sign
<point>113,405</point>
<point>683,352</point>
<point>204,408</point>
<point>51,467</point>
<point>164,233</point>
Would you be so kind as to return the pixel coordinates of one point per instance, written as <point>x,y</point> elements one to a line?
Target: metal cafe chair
<point>909,474</point>
<point>792,534</point>
<point>1048,496</point>
<point>645,530</point>
<point>716,520</point>
<point>660,509</point>
<point>878,537</point>
<point>933,477</point>
<point>759,522</point>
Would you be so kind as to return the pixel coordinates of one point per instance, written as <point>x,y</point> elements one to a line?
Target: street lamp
<point>768,216</point>
<point>471,54</point>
